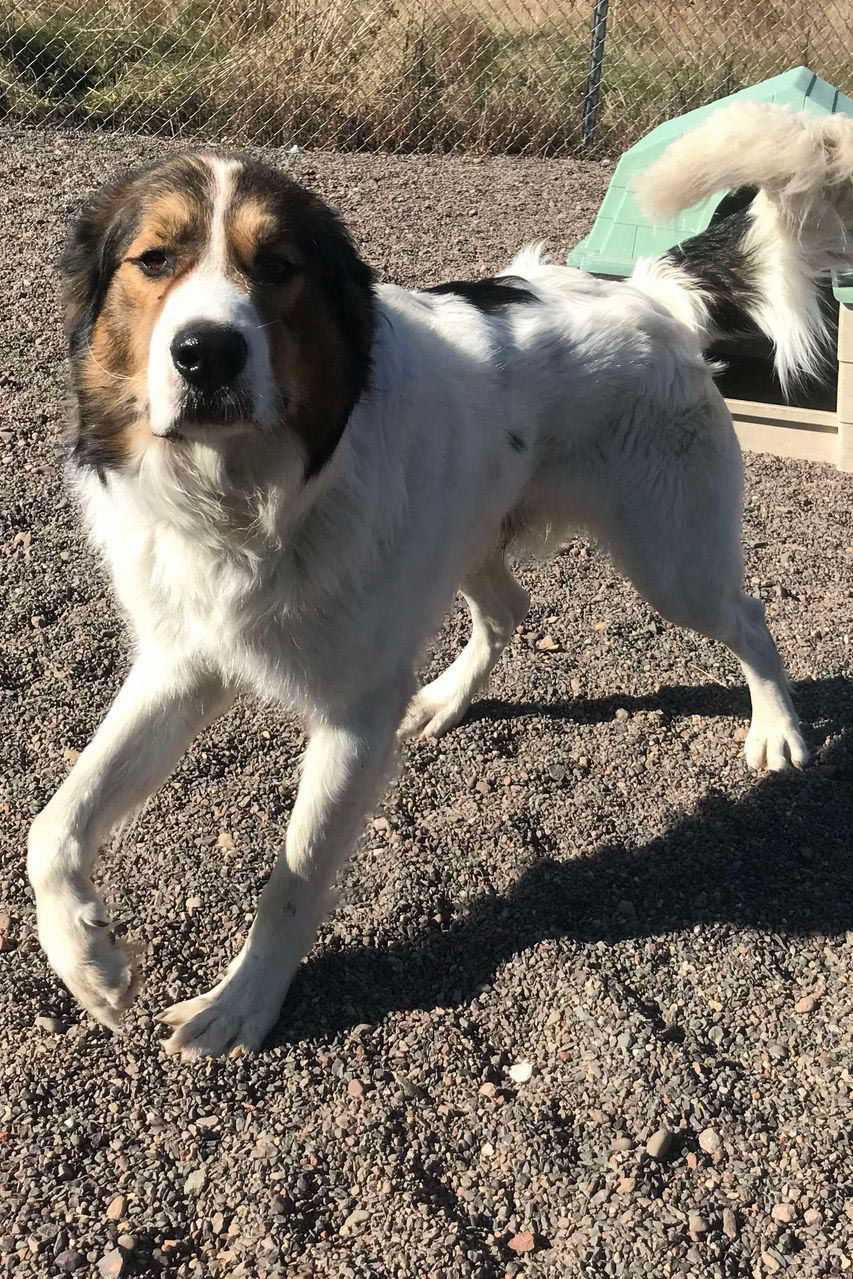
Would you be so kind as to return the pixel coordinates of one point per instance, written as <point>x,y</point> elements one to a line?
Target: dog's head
<point>211,297</point>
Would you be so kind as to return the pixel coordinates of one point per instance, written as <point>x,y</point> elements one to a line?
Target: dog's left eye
<point>154,262</point>
<point>273,268</point>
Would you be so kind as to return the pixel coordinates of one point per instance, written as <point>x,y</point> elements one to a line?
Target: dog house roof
<point>622,233</point>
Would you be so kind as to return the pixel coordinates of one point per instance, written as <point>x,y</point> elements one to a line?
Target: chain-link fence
<point>538,77</point>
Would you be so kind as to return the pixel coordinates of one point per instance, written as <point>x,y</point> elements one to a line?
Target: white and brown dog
<point>290,470</point>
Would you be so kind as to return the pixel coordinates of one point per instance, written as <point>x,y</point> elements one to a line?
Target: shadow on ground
<point>815,699</point>
<point>779,860</point>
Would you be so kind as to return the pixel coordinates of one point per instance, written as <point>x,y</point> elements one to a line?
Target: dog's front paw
<point>775,744</point>
<point>236,1015</point>
<point>83,950</point>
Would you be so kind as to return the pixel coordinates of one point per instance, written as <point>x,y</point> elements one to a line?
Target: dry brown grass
<point>487,75</point>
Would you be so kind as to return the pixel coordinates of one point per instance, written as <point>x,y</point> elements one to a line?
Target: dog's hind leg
<point>497,605</point>
<point>677,536</point>
<point>774,740</point>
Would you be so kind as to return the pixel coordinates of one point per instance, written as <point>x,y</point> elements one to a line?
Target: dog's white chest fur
<point>189,586</point>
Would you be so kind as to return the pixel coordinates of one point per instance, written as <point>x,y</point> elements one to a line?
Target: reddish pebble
<point>522,1242</point>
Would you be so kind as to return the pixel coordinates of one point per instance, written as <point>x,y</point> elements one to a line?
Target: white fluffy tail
<point>762,262</point>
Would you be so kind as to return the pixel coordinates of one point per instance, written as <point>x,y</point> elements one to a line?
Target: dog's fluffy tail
<point>787,228</point>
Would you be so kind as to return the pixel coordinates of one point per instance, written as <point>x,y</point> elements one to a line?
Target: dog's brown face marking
<point>251,224</point>
<point>112,304</point>
<point>276,244</point>
<point>121,334</point>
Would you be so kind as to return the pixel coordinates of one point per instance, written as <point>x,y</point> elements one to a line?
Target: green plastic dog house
<point>622,234</point>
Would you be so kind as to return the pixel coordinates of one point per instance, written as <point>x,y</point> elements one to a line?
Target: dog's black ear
<point>346,280</point>
<point>349,287</point>
<point>92,254</point>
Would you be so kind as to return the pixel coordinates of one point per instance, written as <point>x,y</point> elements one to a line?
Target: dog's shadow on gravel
<point>779,860</point>
<point>673,701</point>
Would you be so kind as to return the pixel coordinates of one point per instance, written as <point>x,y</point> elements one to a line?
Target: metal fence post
<point>592,98</point>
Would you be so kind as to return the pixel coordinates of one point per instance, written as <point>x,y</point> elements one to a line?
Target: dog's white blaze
<point>224,171</point>
<point>208,294</point>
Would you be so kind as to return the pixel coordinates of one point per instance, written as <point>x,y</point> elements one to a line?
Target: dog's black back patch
<point>489,295</point>
<point>717,260</point>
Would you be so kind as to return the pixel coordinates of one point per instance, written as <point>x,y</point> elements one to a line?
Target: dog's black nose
<point>209,355</point>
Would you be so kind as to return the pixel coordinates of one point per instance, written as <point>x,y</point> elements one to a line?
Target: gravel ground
<point>583,1007</point>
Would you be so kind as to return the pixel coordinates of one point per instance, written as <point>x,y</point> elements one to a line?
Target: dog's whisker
<point>117,377</point>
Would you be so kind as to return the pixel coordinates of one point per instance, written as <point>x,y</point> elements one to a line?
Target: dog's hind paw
<point>775,745</point>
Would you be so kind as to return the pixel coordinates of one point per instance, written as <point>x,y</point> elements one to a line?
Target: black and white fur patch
<point>491,294</point>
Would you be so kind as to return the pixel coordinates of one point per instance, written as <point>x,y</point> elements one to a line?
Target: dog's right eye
<point>154,262</point>
<point>273,268</point>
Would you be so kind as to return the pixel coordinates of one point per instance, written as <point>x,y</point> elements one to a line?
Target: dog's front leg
<point>344,766</point>
<point>157,712</point>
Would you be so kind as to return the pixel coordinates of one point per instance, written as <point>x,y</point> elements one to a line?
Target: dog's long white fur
<point>591,407</point>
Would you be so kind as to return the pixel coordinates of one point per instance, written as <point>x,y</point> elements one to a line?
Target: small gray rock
<point>52,1025</point>
<point>710,1141</point>
<point>356,1218</point>
<point>697,1225</point>
<point>659,1144</point>
<point>69,1261</point>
